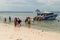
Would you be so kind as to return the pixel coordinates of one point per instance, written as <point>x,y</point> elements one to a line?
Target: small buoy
<point>58,20</point>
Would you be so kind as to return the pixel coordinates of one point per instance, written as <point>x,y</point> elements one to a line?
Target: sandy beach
<point>9,32</point>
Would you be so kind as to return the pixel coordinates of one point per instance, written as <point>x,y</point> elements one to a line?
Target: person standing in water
<point>5,19</point>
<point>28,21</point>
<point>19,21</point>
<point>9,19</point>
<point>41,17</point>
<point>15,22</point>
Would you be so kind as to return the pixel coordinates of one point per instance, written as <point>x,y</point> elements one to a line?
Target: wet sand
<point>9,32</point>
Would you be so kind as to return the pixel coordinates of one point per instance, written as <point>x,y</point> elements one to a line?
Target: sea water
<point>49,25</point>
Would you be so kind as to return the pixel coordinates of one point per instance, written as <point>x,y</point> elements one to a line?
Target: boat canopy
<point>47,12</point>
<point>37,10</point>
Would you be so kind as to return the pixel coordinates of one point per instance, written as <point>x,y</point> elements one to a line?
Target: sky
<point>29,5</point>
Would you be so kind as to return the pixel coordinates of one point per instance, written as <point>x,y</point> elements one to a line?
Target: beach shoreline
<point>9,32</point>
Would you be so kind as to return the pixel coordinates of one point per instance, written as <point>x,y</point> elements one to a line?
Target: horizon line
<point>24,11</point>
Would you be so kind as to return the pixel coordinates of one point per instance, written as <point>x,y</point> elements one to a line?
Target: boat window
<point>50,14</point>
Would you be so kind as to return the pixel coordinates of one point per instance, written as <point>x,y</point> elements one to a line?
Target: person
<point>34,19</point>
<point>41,17</point>
<point>19,21</point>
<point>5,19</point>
<point>9,19</point>
<point>28,21</point>
<point>15,22</point>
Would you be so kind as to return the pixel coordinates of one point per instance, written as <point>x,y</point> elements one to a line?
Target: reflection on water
<point>29,26</point>
<point>52,25</point>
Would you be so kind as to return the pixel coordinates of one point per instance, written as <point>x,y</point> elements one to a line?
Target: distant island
<point>16,11</point>
<point>24,11</point>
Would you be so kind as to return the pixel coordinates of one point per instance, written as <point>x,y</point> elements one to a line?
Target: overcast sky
<point>29,5</point>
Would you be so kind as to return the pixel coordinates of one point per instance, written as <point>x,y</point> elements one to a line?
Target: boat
<point>45,15</point>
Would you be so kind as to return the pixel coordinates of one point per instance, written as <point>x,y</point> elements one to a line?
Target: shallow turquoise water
<point>49,25</point>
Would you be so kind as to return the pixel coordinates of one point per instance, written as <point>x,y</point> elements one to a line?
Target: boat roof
<point>46,12</point>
